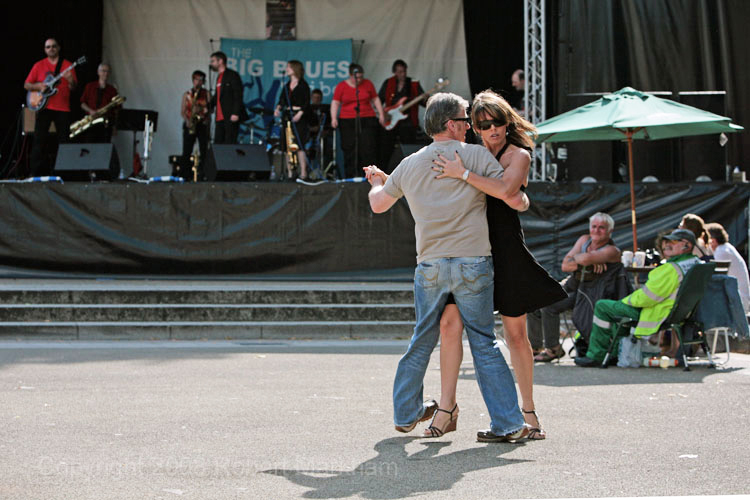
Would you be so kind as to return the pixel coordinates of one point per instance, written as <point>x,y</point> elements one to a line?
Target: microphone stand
<point>211,93</point>
<point>357,126</point>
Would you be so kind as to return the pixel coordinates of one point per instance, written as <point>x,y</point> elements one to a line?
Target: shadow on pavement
<point>393,473</point>
<point>574,376</point>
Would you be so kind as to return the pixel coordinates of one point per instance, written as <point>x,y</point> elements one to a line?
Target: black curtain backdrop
<point>494,43</point>
<point>76,24</point>
<point>652,45</point>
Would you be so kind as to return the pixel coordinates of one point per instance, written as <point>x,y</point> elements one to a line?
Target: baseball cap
<point>681,234</point>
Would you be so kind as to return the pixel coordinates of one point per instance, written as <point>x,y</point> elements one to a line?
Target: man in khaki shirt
<point>453,257</point>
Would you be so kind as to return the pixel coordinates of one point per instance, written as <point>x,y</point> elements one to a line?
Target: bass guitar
<point>37,99</point>
<point>397,112</point>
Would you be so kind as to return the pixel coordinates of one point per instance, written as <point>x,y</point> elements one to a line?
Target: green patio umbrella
<point>630,114</point>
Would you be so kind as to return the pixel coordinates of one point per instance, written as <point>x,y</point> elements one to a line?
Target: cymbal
<point>260,111</point>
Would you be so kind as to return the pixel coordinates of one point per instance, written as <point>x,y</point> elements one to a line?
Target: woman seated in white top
<point>723,250</point>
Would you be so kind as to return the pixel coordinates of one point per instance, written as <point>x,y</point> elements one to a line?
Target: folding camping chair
<point>680,319</point>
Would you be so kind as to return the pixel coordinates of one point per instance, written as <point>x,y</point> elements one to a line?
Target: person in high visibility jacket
<point>650,305</point>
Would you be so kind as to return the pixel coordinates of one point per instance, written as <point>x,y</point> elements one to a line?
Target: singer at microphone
<point>354,98</point>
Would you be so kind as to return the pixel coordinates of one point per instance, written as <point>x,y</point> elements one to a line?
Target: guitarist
<point>393,89</point>
<point>57,109</point>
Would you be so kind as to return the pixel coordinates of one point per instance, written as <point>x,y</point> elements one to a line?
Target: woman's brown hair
<point>493,105</point>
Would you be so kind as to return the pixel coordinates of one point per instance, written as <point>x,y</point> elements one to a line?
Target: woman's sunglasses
<point>486,124</point>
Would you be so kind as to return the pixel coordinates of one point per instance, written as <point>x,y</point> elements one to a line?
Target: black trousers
<point>226,132</point>
<point>403,133</point>
<point>188,142</point>
<point>368,153</point>
<point>44,149</point>
<point>543,325</point>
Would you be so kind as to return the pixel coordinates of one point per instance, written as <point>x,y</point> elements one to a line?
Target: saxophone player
<point>96,95</point>
<point>294,107</point>
<point>195,119</point>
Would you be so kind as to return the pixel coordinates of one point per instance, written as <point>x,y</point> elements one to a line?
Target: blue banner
<point>262,66</point>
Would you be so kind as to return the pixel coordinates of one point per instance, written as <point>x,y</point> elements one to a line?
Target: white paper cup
<point>639,259</point>
<point>627,258</point>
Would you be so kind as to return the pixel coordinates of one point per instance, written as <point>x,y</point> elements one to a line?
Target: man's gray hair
<point>606,218</point>
<point>441,107</point>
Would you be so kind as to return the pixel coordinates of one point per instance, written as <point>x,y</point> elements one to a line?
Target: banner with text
<point>262,66</point>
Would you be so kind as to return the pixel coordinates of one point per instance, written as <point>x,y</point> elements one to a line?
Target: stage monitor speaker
<point>400,152</point>
<point>237,162</point>
<point>87,162</point>
<point>702,154</point>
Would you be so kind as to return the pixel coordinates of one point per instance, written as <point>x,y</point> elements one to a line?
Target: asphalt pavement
<point>313,419</point>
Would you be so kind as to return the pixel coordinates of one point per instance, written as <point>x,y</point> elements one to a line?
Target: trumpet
<point>98,116</point>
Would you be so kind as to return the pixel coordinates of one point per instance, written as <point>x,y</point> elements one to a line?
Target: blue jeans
<point>470,280</point>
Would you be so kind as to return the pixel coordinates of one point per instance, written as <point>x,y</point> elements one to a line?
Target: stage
<point>326,231</point>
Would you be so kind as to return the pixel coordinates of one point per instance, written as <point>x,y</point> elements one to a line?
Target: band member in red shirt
<point>357,94</point>
<point>395,88</point>
<point>57,109</point>
<point>230,110</point>
<point>95,96</point>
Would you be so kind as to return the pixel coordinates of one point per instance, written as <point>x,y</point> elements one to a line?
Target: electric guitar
<point>397,112</point>
<point>37,99</point>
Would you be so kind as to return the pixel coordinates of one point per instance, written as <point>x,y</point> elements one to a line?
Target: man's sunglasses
<point>467,120</point>
<point>486,124</point>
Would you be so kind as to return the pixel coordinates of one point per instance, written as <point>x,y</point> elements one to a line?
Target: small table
<point>637,271</point>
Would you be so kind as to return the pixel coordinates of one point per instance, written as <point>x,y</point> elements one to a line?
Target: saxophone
<point>98,117</point>
<point>196,112</point>
<point>291,146</point>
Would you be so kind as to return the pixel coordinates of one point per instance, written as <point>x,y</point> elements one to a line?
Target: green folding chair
<point>680,319</point>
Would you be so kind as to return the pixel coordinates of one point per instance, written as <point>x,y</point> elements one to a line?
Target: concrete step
<point>198,296</point>
<point>204,312</point>
<point>194,309</point>
<point>211,330</point>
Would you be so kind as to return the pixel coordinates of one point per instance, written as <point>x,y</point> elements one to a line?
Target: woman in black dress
<point>295,100</point>
<point>521,284</point>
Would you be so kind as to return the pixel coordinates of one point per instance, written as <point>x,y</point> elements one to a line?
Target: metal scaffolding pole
<point>535,90</point>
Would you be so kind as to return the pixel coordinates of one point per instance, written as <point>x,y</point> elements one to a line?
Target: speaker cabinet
<point>237,162</point>
<point>87,162</point>
<point>400,152</point>
<point>29,122</point>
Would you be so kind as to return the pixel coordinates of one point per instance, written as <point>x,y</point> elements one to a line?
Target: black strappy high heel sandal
<point>534,432</point>
<point>450,426</point>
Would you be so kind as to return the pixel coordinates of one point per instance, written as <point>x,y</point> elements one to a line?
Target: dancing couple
<point>454,285</point>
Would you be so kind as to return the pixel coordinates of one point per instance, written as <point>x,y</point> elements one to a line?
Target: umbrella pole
<point>629,135</point>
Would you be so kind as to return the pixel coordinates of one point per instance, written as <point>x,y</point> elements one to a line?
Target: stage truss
<point>535,72</point>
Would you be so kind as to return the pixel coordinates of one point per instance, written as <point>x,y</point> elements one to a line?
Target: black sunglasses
<point>467,120</point>
<point>486,124</point>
